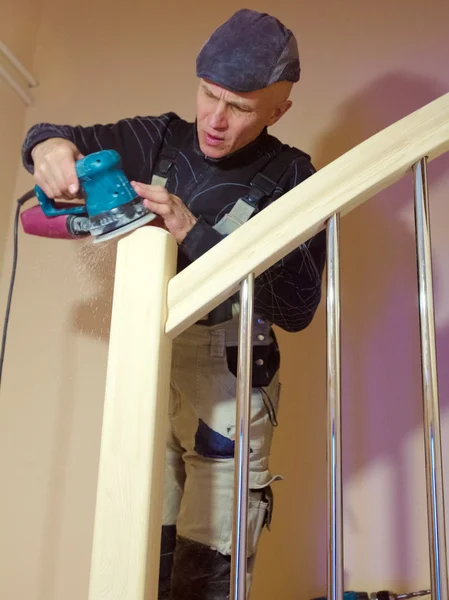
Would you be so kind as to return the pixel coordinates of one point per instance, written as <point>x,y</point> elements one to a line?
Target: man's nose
<point>218,119</point>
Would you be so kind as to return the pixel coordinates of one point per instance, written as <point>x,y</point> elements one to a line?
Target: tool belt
<point>266,355</point>
<point>266,362</point>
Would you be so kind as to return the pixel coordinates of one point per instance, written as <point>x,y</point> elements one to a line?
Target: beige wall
<point>364,66</point>
<point>18,28</point>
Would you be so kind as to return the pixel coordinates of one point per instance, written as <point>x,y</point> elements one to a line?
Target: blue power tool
<point>349,595</point>
<point>381,595</point>
<point>111,207</point>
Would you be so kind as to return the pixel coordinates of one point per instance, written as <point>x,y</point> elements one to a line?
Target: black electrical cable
<point>20,202</point>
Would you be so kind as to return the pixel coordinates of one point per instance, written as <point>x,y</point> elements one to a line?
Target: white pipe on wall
<point>13,83</point>
<point>17,64</point>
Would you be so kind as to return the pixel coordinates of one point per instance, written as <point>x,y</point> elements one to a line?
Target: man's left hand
<point>178,219</point>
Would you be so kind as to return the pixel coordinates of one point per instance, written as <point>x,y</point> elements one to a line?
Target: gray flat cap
<point>250,51</point>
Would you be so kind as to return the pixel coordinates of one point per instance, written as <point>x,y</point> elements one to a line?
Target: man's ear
<point>279,112</point>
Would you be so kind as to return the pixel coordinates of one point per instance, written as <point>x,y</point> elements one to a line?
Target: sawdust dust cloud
<point>95,268</point>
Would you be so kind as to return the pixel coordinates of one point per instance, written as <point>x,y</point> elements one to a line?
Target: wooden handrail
<point>340,187</point>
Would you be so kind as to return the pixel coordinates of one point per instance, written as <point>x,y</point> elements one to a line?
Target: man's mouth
<point>213,140</point>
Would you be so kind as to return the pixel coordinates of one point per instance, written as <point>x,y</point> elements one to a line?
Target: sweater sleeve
<point>135,139</point>
<point>288,293</point>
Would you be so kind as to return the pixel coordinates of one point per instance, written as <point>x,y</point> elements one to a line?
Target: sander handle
<point>49,207</point>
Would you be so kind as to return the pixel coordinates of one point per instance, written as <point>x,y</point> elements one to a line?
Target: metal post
<point>432,434</point>
<point>335,502</point>
<point>242,441</point>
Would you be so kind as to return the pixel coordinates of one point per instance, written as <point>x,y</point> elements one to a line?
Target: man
<point>204,179</point>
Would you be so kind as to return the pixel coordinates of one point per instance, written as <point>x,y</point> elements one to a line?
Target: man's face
<point>228,121</point>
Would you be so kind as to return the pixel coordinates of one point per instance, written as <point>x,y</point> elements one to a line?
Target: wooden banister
<point>125,557</point>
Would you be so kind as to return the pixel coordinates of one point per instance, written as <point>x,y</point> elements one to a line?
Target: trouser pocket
<point>260,513</point>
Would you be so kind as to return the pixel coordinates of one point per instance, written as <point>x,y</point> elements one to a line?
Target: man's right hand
<point>54,168</point>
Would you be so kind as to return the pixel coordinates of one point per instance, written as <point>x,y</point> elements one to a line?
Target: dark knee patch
<point>199,572</point>
<point>168,544</point>
<point>168,538</point>
<point>211,444</point>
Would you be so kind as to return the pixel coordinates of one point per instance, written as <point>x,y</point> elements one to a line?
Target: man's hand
<point>54,168</point>
<point>178,219</point>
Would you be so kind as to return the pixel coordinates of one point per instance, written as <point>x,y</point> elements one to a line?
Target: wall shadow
<point>381,372</point>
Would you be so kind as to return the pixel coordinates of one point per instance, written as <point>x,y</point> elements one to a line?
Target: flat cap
<point>248,52</point>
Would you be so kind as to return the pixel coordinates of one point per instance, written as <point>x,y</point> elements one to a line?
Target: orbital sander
<point>112,207</point>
